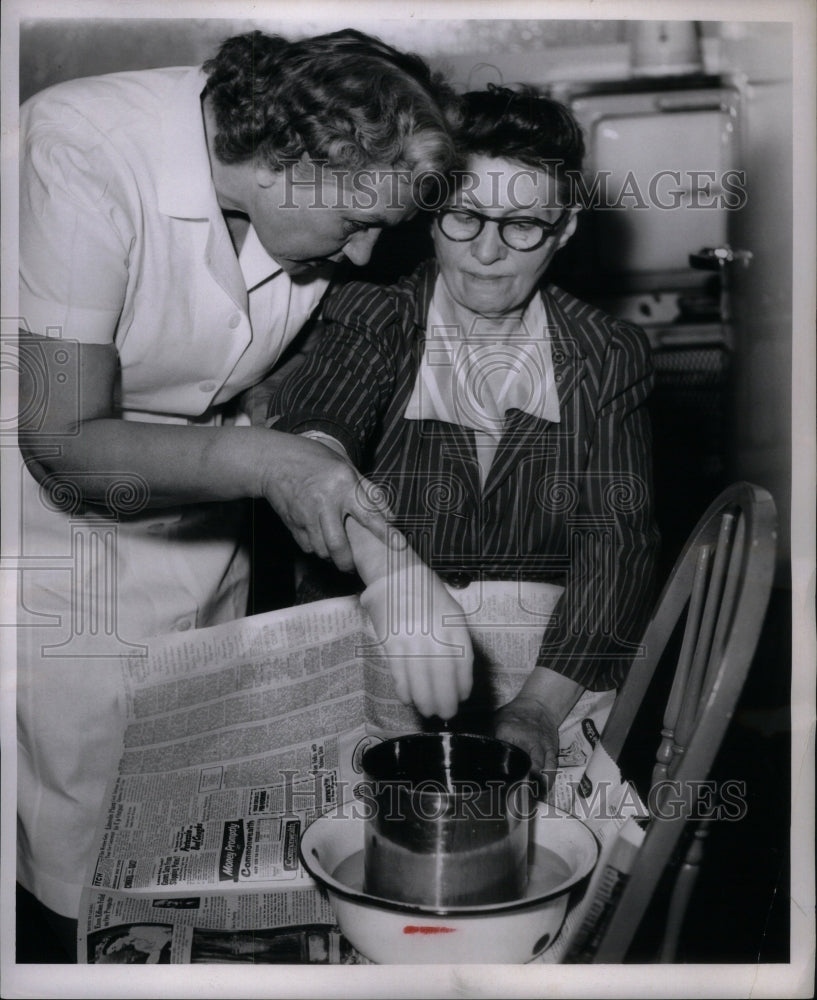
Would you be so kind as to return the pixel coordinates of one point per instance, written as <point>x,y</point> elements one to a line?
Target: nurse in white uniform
<point>177,228</point>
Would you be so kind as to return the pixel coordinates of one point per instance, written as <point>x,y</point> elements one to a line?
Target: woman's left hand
<point>528,724</point>
<point>532,719</point>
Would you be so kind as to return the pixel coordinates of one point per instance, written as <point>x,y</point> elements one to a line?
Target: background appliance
<point>662,175</point>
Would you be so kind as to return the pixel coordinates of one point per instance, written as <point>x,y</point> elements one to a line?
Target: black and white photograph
<point>132,944</point>
<point>408,498</point>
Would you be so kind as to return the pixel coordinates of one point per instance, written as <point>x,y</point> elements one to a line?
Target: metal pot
<point>449,820</point>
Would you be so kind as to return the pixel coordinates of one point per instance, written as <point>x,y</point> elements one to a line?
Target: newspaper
<point>612,809</point>
<point>239,736</point>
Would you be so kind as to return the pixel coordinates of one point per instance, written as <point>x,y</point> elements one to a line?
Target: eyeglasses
<point>518,232</point>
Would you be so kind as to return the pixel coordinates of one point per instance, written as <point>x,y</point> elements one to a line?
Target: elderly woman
<point>504,417</point>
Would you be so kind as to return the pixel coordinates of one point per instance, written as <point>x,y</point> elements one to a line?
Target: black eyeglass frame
<point>547,228</point>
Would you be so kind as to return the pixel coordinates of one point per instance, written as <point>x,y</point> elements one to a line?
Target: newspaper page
<point>611,808</point>
<point>240,735</point>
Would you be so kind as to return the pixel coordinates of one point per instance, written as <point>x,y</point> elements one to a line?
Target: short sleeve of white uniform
<point>75,236</point>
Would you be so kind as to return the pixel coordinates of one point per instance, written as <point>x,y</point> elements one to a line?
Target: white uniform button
<point>235,321</point>
<point>207,386</point>
<point>184,625</point>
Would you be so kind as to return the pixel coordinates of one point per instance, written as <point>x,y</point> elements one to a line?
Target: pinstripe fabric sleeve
<point>347,380</point>
<point>612,538</point>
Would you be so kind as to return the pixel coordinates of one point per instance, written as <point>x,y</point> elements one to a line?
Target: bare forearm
<point>310,487</point>
<point>178,463</point>
<point>375,560</point>
<point>555,692</point>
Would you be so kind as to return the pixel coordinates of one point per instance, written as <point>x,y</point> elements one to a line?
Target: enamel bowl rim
<point>333,886</point>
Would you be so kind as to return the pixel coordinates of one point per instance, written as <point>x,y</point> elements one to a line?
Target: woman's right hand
<point>314,490</point>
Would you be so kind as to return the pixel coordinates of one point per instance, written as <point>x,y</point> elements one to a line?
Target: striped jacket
<point>568,502</point>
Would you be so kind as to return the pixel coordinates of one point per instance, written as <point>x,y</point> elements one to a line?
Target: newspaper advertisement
<point>612,809</point>
<point>240,735</point>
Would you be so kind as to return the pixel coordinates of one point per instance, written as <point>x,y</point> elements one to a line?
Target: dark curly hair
<point>345,98</point>
<point>521,125</point>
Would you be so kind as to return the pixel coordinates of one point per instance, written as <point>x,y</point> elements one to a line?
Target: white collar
<point>185,185</point>
<point>256,264</point>
<point>473,377</point>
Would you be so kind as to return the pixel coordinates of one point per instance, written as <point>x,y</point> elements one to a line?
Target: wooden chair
<point>721,582</point>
